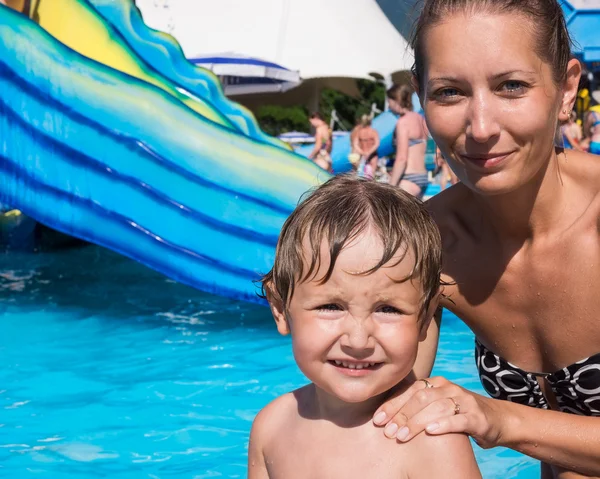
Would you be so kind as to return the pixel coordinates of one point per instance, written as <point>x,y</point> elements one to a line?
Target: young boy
<point>356,281</point>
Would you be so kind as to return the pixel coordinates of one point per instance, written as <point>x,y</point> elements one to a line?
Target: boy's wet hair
<point>339,211</point>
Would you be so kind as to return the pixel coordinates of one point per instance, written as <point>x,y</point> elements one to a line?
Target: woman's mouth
<point>485,161</point>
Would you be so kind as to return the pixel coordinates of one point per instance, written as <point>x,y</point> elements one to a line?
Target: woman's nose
<point>482,123</point>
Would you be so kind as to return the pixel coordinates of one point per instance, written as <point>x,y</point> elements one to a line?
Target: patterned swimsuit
<point>576,387</point>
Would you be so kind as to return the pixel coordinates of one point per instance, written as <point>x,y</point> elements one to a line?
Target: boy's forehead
<point>361,253</point>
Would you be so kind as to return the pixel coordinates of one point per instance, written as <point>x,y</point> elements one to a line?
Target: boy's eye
<point>389,310</point>
<point>329,307</point>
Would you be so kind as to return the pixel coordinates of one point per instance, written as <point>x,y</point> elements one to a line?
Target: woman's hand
<point>439,406</point>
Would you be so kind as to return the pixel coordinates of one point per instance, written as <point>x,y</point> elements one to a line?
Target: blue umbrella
<point>242,75</point>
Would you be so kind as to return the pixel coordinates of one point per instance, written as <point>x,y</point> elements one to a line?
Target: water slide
<point>98,144</point>
<point>383,123</point>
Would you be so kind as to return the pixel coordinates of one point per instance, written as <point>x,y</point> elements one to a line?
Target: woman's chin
<point>500,183</point>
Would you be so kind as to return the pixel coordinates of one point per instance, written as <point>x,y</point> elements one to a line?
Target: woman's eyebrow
<point>450,79</point>
<point>453,79</point>
<point>512,72</point>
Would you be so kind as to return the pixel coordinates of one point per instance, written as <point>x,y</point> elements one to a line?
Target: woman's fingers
<point>438,416</point>
<point>390,410</point>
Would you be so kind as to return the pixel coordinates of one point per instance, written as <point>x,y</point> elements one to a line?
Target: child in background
<point>356,281</point>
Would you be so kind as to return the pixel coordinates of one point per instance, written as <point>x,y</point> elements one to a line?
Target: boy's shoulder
<point>279,415</point>
<point>446,455</point>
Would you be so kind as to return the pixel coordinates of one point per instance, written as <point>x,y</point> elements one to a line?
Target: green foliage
<point>275,120</point>
<point>349,109</point>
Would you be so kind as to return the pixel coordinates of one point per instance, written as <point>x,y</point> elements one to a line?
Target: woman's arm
<point>401,153</point>
<point>560,439</point>
<point>428,348</point>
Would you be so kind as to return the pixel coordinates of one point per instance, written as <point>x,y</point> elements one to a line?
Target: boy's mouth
<point>356,365</point>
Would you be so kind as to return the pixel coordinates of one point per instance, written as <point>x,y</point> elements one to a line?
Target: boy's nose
<point>358,334</point>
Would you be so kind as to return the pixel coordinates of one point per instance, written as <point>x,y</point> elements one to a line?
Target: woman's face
<point>490,101</point>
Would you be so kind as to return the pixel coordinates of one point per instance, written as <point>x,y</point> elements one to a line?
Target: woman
<point>520,235</point>
<point>410,138</point>
<point>323,142</point>
<point>572,133</point>
<point>592,127</point>
<point>366,142</point>
<point>447,175</point>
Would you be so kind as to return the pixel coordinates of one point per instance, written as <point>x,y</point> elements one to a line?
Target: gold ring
<point>427,383</point>
<point>456,406</point>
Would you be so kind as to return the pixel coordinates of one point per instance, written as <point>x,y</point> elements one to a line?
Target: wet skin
<point>521,231</point>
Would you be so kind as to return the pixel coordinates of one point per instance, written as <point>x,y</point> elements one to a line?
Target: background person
<point>592,131</point>
<point>410,138</point>
<point>520,235</point>
<point>572,133</point>
<point>323,142</point>
<point>366,144</point>
<point>447,175</point>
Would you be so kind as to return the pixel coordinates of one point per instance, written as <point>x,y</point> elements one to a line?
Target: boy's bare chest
<point>317,456</point>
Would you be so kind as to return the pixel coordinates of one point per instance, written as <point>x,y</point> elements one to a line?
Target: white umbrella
<point>242,74</point>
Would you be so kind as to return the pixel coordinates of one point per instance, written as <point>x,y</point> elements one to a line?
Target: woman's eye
<point>329,307</point>
<point>389,310</point>
<point>513,87</point>
<point>447,94</point>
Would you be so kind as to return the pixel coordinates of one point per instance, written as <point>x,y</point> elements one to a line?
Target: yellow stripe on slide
<point>78,26</point>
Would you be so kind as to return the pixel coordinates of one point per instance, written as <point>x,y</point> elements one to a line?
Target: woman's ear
<point>570,88</point>
<point>278,310</point>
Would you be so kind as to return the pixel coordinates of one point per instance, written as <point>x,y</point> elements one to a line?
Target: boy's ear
<point>430,313</point>
<point>278,310</point>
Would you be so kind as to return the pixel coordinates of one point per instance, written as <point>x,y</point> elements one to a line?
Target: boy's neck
<point>344,414</point>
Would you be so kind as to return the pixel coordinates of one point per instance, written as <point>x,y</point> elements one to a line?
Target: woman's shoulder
<point>448,203</point>
<point>453,211</point>
<point>584,169</point>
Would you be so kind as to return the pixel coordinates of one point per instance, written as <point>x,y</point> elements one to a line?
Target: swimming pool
<point>110,369</point>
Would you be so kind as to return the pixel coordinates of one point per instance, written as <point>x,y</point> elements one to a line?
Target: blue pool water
<point>111,370</point>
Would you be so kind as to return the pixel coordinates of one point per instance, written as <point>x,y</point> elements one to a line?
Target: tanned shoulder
<point>453,453</point>
<point>268,425</point>
<point>445,208</point>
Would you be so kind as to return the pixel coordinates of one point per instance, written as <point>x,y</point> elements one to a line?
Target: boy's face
<point>356,336</point>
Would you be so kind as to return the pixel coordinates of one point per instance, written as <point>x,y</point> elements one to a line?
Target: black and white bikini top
<point>576,387</point>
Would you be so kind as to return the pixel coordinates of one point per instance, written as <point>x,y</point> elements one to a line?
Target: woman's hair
<point>316,115</point>
<point>402,94</point>
<point>552,40</point>
<point>339,211</point>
